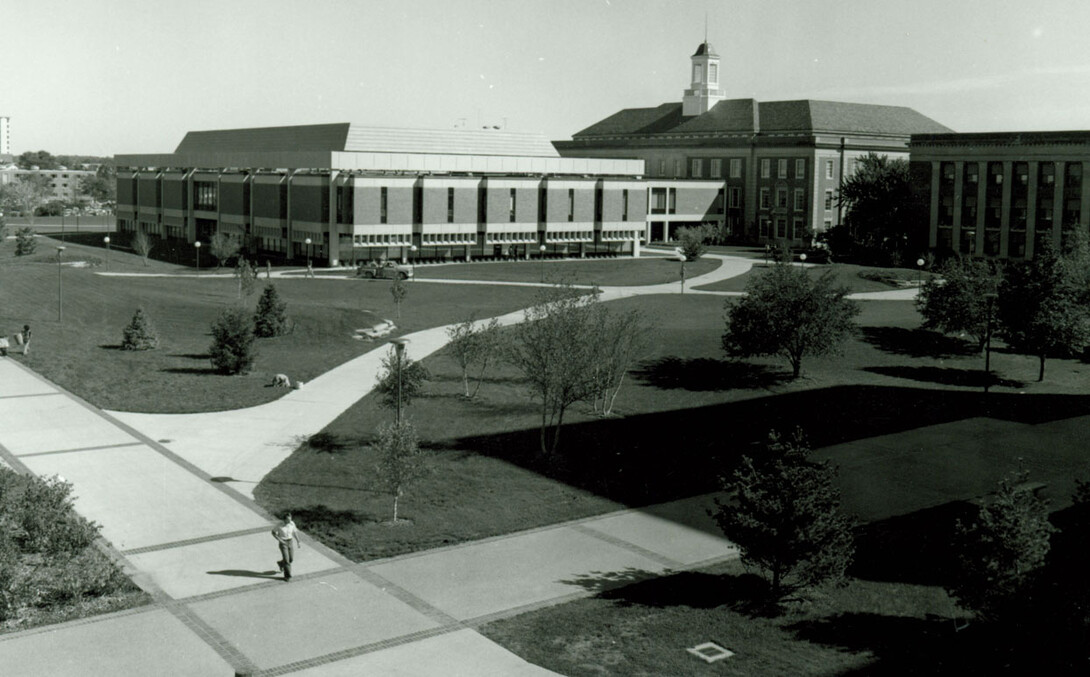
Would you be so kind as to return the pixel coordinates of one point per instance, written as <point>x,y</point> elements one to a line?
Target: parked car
<point>388,270</point>
<point>377,330</point>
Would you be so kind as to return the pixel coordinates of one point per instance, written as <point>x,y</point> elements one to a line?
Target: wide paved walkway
<point>204,552</point>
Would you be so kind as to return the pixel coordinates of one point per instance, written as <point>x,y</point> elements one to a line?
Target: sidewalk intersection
<point>203,551</point>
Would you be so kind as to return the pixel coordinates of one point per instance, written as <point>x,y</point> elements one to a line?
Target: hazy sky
<point>132,76</point>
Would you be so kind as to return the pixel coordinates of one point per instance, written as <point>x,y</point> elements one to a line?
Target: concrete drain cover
<point>710,652</point>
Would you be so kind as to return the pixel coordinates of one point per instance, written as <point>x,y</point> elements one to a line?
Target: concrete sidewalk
<point>205,554</point>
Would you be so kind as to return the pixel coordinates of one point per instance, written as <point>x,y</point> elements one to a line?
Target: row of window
<point>781,199</point>
<point>781,168</point>
<point>794,230</point>
<point>714,165</point>
<point>510,238</point>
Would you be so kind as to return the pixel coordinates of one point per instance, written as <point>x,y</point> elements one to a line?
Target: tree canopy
<point>961,299</point>
<point>787,312</point>
<point>880,210</point>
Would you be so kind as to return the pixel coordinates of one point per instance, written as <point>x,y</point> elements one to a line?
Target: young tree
<point>25,241</point>
<point>692,242</point>
<point>960,302</point>
<point>232,349</point>
<point>247,277</point>
<point>998,552</point>
<point>269,318</point>
<point>140,334</point>
<point>786,516</point>
<point>413,376</point>
<point>552,350</point>
<point>620,339</point>
<point>474,344</point>
<point>1041,307</point>
<point>401,461</point>
<point>399,290</point>
<point>788,313</point>
<point>223,246</point>
<point>142,244</point>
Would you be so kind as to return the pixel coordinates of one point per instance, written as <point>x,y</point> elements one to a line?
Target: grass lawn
<point>844,274</point>
<point>81,353</point>
<point>644,629</point>
<point>604,272</point>
<point>684,417</point>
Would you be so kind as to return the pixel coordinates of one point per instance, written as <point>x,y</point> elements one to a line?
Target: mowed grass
<point>603,272</point>
<point>683,418</point>
<point>844,275</point>
<point>644,628</point>
<point>81,353</point>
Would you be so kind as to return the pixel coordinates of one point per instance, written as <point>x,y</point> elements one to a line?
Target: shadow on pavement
<point>245,574</point>
<point>746,593</point>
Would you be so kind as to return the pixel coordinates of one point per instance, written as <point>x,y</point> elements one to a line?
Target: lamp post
<point>307,241</point>
<point>399,346</point>
<point>802,257</point>
<point>106,240</point>
<point>542,250</point>
<point>683,275</point>
<point>990,298</point>
<point>60,315</point>
<point>919,277</point>
<point>412,260</point>
<point>197,245</point>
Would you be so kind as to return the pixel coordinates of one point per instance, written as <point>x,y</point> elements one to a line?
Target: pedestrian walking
<point>268,269</point>
<point>288,539</point>
<point>310,269</point>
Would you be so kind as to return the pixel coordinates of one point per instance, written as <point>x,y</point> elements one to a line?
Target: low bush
<point>25,241</point>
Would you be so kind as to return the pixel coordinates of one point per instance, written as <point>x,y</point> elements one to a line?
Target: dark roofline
<point>1030,138</point>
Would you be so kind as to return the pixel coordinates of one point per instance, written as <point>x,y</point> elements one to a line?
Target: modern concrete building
<point>63,183</point>
<point>344,192</point>
<point>769,170</point>
<point>1002,194</point>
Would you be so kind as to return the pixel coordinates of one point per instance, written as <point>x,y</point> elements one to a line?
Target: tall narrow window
<point>713,73</point>
<point>672,206</point>
<point>624,205</point>
<point>735,168</point>
<point>382,205</point>
<point>800,200</point>
<point>766,168</point>
<point>781,169</point>
<point>800,168</point>
<point>450,205</point>
<point>716,169</point>
<point>766,198</point>
<point>828,169</point>
<point>735,197</point>
<point>696,72</point>
<point>697,168</point>
<point>828,199</point>
<point>571,204</point>
<point>511,206</point>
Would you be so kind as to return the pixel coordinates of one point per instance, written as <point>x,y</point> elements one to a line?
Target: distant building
<point>1002,194</point>
<point>769,171</point>
<point>360,193</point>
<point>63,183</point>
<point>5,135</point>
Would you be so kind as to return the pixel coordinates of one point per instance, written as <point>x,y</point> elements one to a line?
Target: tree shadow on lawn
<point>704,374</point>
<point>949,376</point>
<point>199,371</point>
<point>917,342</point>
<point>746,593</point>
<point>192,356</point>
<point>654,458</point>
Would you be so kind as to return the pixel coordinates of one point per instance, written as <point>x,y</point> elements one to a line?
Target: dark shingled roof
<point>298,138</point>
<point>750,116</point>
<point>705,49</point>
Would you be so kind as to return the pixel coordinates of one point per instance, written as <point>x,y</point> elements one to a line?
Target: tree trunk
<point>556,431</point>
<point>544,428</point>
<point>465,380</point>
<point>796,367</point>
<point>613,397</point>
<point>1041,373</point>
<point>397,494</point>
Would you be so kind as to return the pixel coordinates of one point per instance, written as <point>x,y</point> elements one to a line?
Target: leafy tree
<point>51,208</point>
<point>142,244</point>
<point>998,552</point>
<point>25,194</point>
<point>958,302</point>
<point>98,188</point>
<point>270,319</point>
<point>233,350</point>
<point>552,350</point>
<point>692,242</point>
<point>474,344</point>
<point>1041,307</point>
<point>3,228</point>
<point>786,516</point>
<point>401,461</point>
<point>40,159</point>
<point>620,339</point>
<point>399,290</point>
<point>223,246</point>
<point>140,334</point>
<point>786,312</point>
<point>413,377</point>
<point>25,241</point>
<point>881,212</point>
<point>247,277</point>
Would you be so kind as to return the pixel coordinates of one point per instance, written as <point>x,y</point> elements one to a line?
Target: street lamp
<point>802,257</point>
<point>197,245</point>
<point>412,260</point>
<point>59,297</point>
<point>106,240</point>
<point>990,297</point>
<point>399,346</point>
<point>919,277</point>
<point>542,250</point>
<point>308,256</point>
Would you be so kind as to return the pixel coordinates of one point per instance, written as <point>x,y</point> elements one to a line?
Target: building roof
<point>978,139</point>
<point>747,116</point>
<point>705,49</point>
<point>351,137</point>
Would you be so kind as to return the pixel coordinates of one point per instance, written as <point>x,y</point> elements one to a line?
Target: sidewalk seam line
<point>120,445</point>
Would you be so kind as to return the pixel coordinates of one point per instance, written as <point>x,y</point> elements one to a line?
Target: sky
<point>102,77</point>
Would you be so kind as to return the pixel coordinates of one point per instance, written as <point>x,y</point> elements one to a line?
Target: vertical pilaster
<point>933,235</point>
<point>1057,203</point>
<point>1031,209</point>
<point>981,197</point>
<point>959,175</point>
